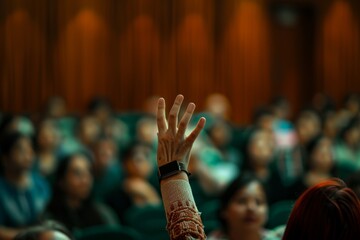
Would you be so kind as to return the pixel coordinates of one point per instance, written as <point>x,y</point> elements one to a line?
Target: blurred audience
<point>218,105</point>
<point>347,148</point>
<point>319,166</point>
<point>140,186</point>
<point>23,193</point>
<point>283,128</point>
<point>47,142</point>
<point>71,203</point>
<point>107,169</point>
<point>108,157</point>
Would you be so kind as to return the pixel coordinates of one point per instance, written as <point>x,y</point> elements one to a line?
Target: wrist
<point>170,169</point>
<point>181,175</point>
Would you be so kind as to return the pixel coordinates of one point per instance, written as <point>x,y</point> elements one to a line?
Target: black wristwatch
<point>171,169</point>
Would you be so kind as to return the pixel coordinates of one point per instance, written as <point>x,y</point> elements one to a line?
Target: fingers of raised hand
<point>161,119</point>
<point>174,112</point>
<point>185,121</point>
<point>195,133</point>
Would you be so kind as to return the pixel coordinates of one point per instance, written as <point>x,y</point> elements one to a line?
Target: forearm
<point>183,217</point>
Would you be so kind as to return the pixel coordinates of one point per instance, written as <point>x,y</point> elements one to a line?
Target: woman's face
<point>261,149</point>
<point>321,157</point>
<point>48,136</point>
<point>140,164</point>
<point>21,156</point>
<point>78,179</point>
<point>104,153</point>
<point>247,209</point>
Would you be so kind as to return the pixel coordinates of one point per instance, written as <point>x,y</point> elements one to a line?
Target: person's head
<point>280,107</point>
<point>17,153</point>
<point>89,130</point>
<point>55,107</point>
<point>137,160</point>
<point>146,130</point>
<point>243,205</point>
<point>218,105</point>
<point>100,108</point>
<point>48,136</point>
<point>263,118</point>
<point>322,103</point>
<point>105,151</point>
<point>352,103</point>
<point>50,230</point>
<point>73,177</point>
<point>326,211</point>
<point>320,157</point>
<point>307,126</point>
<point>10,123</point>
<point>260,149</point>
<point>220,133</point>
<point>350,134</point>
<point>330,124</point>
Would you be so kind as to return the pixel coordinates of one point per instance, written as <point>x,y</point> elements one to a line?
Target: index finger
<point>160,116</point>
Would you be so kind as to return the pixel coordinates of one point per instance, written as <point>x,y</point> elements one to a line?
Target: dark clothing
<point>88,215</point>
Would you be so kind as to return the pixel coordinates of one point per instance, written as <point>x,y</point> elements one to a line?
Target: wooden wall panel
<point>339,49</point>
<point>243,61</point>
<point>129,50</point>
<point>24,46</point>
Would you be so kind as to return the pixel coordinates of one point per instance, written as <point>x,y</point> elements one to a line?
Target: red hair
<point>326,211</point>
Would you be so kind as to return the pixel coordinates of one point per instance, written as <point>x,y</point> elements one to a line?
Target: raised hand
<point>172,143</point>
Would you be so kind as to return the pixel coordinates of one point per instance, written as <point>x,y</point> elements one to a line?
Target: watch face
<point>169,168</point>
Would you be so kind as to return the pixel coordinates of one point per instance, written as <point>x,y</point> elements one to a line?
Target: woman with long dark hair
<point>71,203</point>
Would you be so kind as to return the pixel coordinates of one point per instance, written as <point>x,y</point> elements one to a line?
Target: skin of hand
<point>172,143</point>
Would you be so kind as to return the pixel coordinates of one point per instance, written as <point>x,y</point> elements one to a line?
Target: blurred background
<point>278,81</point>
<point>129,50</point>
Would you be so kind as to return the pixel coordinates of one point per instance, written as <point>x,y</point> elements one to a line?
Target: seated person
<point>107,169</point>
<point>259,159</point>
<point>347,148</point>
<point>243,211</point>
<point>71,203</point>
<point>47,145</point>
<point>23,193</point>
<point>137,188</point>
<point>320,166</point>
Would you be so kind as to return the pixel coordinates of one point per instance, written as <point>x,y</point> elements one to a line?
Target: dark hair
<point>237,184</point>
<point>34,233</point>
<point>99,102</point>
<point>326,211</point>
<point>310,148</point>
<point>278,101</point>
<point>9,140</point>
<point>58,196</point>
<point>7,143</point>
<point>261,112</point>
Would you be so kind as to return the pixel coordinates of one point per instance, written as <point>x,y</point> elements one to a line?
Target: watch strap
<point>171,169</point>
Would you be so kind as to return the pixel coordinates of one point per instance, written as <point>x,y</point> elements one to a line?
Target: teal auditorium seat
<point>108,233</point>
<point>149,221</point>
<point>209,215</point>
<point>279,213</point>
